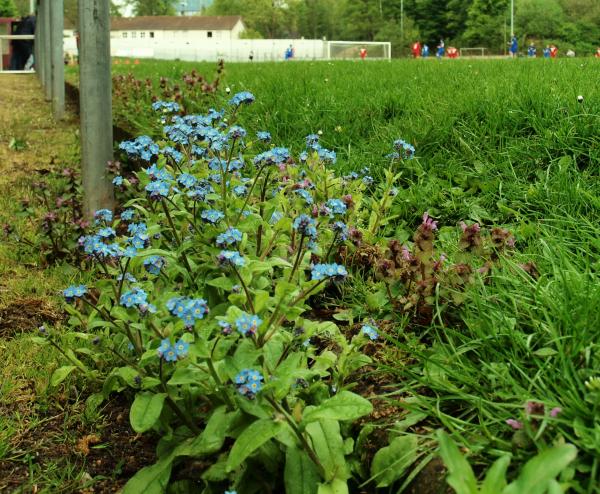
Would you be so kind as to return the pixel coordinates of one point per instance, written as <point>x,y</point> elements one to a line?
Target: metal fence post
<point>95,103</point>
<point>58,65</point>
<point>46,44</point>
<point>39,41</point>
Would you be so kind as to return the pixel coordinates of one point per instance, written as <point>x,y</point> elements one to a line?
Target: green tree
<point>271,18</point>
<point>362,20</point>
<point>436,20</point>
<point>22,7</point>
<point>390,31</point>
<point>8,8</point>
<point>318,18</point>
<point>539,19</point>
<point>153,7</point>
<point>484,24</point>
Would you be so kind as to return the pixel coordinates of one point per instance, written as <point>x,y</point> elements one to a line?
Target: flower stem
<point>246,291</point>
<point>298,256</point>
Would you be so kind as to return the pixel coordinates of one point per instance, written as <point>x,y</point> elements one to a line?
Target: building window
<point>124,35</point>
<point>209,34</point>
<point>133,34</point>
<point>152,34</point>
<point>142,34</point>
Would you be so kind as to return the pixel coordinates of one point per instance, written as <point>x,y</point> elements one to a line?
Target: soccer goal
<point>472,52</point>
<point>352,50</point>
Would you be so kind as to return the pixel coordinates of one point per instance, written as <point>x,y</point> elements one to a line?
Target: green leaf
<point>151,480</point>
<point>216,472</point>
<point>545,352</point>
<point>390,463</point>
<point>60,374</point>
<point>329,447</point>
<point>92,404</point>
<point>495,478</point>
<point>186,375</point>
<point>213,436</point>
<point>536,475</point>
<point>460,474</point>
<point>39,340</point>
<point>261,297</point>
<point>146,410</point>
<point>300,474</point>
<point>223,282</point>
<point>128,374</point>
<point>254,436</point>
<point>343,406</point>
<point>336,486</point>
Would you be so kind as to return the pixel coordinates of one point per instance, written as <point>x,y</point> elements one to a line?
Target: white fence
<point>236,50</point>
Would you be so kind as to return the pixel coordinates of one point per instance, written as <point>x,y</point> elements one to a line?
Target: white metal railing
<point>9,37</point>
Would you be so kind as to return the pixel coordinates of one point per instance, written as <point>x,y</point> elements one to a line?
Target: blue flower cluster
<point>139,238</point>
<point>230,258</point>
<point>264,136</point>
<point>404,150</point>
<point>312,141</point>
<point>166,106</point>
<point>106,232</point>
<point>142,147</point>
<point>171,353</point>
<point>249,382</point>
<point>242,98</point>
<point>370,332</point>
<point>229,237</point>
<point>134,297</point>
<point>157,173</point>
<point>200,191</point>
<point>158,189</point>
<point>236,132</point>
<point>341,229</point>
<point>306,226</point>
<point>275,156</point>
<point>275,217</point>
<point>212,216</point>
<point>94,245</point>
<point>335,271</point>
<point>247,324</point>
<point>117,181</point>
<point>305,194</point>
<point>220,164</point>
<point>335,206</point>
<point>186,180</point>
<point>154,264</point>
<point>172,153</point>
<point>103,215</point>
<point>74,291</point>
<point>189,310</point>
<point>127,214</point>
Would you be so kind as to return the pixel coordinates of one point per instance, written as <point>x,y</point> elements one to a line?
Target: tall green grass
<point>499,142</point>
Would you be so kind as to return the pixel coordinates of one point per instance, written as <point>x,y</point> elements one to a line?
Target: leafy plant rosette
<point>203,299</point>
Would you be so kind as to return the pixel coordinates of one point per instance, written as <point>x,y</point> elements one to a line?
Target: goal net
<point>351,50</point>
<point>472,52</point>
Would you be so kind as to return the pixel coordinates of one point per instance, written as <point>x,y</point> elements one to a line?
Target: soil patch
<point>26,314</point>
<point>108,454</point>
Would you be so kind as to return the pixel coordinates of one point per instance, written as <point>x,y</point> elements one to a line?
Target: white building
<point>185,29</point>
<point>143,36</point>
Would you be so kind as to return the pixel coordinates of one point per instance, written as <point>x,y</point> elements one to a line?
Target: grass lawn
<point>499,142</point>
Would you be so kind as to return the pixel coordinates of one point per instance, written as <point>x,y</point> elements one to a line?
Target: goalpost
<point>350,50</point>
<point>472,52</point>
